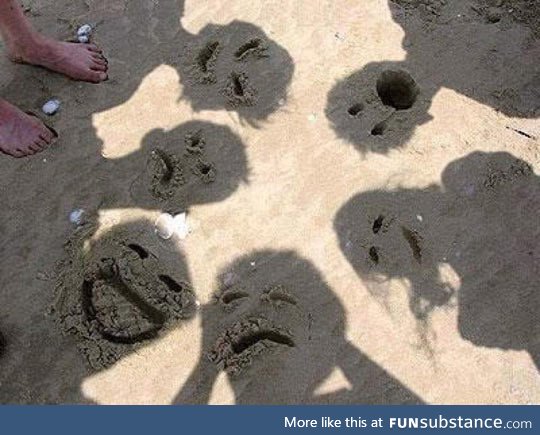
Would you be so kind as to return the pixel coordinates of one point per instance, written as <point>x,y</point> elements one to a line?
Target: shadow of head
<point>195,163</point>
<point>119,290</point>
<point>390,235</point>
<point>470,46</point>
<point>498,252</point>
<point>272,312</point>
<point>377,108</point>
<point>236,67</point>
<point>479,223</point>
<point>277,330</point>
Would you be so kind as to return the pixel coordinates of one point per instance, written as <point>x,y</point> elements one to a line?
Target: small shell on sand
<point>51,107</point>
<point>84,30</point>
<point>164,226</point>
<point>167,225</point>
<point>76,216</point>
<point>181,226</point>
<point>83,39</point>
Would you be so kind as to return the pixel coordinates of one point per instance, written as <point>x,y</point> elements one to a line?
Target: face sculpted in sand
<point>410,233</point>
<point>379,107</point>
<point>277,330</point>
<point>195,163</point>
<point>116,294</point>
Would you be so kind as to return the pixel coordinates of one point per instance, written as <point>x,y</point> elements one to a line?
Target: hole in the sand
<point>205,169</point>
<point>141,252</point>
<point>232,296</point>
<point>108,268</point>
<point>355,110</point>
<point>414,243</point>
<point>252,46</point>
<point>377,225</point>
<point>379,129</point>
<point>195,142</point>
<point>207,55</point>
<point>238,87</point>
<point>397,89</point>
<point>246,341</point>
<point>374,254</point>
<point>171,284</point>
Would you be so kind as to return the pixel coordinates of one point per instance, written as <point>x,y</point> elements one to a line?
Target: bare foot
<point>83,62</point>
<point>21,134</point>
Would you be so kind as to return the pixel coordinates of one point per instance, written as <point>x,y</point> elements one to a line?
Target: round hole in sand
<point>355,110</point>
<point>397,89</point>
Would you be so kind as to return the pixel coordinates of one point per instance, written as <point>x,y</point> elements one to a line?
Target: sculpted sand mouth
<point>236,347</point>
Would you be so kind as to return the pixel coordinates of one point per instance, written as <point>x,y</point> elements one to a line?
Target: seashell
<point>76,216</point>
<point>51,107</point>
<point>181,227</point>
<point>84,30</point>
<point>164,226</point>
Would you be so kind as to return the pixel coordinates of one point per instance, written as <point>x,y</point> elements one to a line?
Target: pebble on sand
<point>51,107</point>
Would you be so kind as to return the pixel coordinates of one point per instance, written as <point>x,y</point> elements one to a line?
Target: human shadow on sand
<point>482,222</point>
<point>453,46</point>
<point>118,291</point>
<point>235,67</point>
<point>194,163</point>
<point>278,331</point>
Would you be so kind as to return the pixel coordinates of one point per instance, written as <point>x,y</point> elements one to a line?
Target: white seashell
<point>181,227</point>
<point>84,30</point>
<point>83,39</point>
<point>51,107</point>
<point>76,216</point>
<point>164,226</point>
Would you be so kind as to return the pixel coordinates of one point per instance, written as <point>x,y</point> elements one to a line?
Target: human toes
<point>98,66</point>
<point>93,48</point>
<point>96,76</point>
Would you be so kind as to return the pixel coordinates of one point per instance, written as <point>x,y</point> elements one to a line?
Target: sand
<point>361,185</point>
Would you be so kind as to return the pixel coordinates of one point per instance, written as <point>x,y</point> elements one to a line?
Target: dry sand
<point>361,182</point>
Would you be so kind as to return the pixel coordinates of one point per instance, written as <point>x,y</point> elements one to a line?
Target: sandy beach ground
<point>361,180</point>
